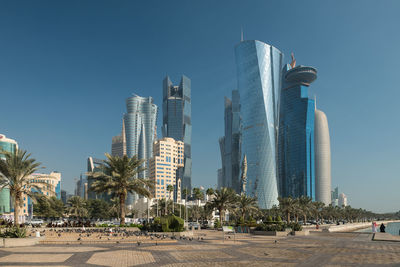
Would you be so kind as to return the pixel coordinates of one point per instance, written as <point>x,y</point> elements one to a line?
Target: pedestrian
<point>374,227</point>
<point>382,228</point>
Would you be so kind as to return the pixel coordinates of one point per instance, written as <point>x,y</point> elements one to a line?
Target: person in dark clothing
<point>382,228</point>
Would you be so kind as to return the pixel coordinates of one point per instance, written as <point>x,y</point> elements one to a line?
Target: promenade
<point>322,249</point>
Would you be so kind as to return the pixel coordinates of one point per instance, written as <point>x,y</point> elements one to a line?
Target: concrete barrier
<point>20,242</point>
<point>271,233</point>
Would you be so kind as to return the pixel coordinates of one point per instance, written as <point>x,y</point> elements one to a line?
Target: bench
<point>227,230</point>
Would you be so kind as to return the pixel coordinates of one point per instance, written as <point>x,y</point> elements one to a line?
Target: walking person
<point>382,228</point>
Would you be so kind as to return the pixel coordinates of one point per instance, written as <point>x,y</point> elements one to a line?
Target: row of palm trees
<point>119,176</point>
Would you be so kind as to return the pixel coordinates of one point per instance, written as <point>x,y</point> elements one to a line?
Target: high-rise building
<point>230,143</point>
<point>323,160</point>
<point>48,185</point>
<point>296,133</point>
<point>64,196</point>
<point>342,200</point>
<point>93,165</point>
<point>81,185</point>
<point>8,145</point>
<point>219,179</point>
<point>335,194</point>
<point>168,158</point>
<point>177,120</point>
<point>140,130</point>
<point>118,146</point>
<point>259,68</point>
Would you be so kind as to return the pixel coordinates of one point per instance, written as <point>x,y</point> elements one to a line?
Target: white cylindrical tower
<point>322,148</point>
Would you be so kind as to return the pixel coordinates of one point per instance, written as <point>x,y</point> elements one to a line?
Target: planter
<point>271,233</point>
<point>301,233</point>
<point>19,242</point>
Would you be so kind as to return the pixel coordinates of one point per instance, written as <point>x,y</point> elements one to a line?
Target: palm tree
<point>118,176</point>
<point>305,204</point>
<point>246,204</point>
<point>15,171</point>
<point>223,200</point>
<point>209,192</point>
<point>77,207</point>
<point>198,195</point>
<point>287,206</point>
<point>317,208</point>
<point>170,189</point>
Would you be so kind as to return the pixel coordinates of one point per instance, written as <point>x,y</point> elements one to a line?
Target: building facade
<point>342,200</point>
<point>168,158</point>
<point>93,165</point>
<point>259,68</point>
<point>8,145</point>
<point>140,130</point>
<point>230,144</point>
<point>296,164</point>
<point>177,121</point>
<point>48,185</point>
<point>323,160</point>
<point>118,145</point>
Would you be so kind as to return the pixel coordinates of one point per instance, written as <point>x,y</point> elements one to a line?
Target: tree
<point>77,207</point>
<point>170,189</point>
<point>286,205</point>
<point>223,200</point>
<point>209,192</point>
<point>118,177</point>
<point>15,171</point>
<point>185,193</point>
<point>198,195</point>
<point>246,205</point>
<point>317,208</point>
<point>98,208</point>
<point>305,205</point>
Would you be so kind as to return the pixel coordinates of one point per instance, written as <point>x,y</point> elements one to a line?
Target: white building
<point>342,200</point>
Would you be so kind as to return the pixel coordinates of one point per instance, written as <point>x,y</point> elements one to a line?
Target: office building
<point>230,144</point>
<point>335,194</point>
<point>64,196</point>
<point>323,160</point>
<point>140,130</point>
<point>168,158</point>
<point>8,145</point>
<point>93,165</point>
<point>220,177</point>
<point>259,68</point>
<point>48,185</point>
<point>177,121</point>
<point>296,133</point>
<point>81,185</point>
<point>342,200</point>
<point>118,146</point>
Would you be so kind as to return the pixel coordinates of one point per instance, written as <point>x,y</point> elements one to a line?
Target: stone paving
<point>329,249</point>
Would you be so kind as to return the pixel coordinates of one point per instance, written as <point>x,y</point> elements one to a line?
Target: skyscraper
<point>323,160</point>
<point>8,145</point>
<point>296,133</point>
<point>118,146</point>
<point>177,121</point>
<point>140,129</point>
<point>259,68</point>
<point>342,200</point>
<point>230,143</point>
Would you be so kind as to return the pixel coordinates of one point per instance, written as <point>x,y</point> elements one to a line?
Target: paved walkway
<point>323,249</point>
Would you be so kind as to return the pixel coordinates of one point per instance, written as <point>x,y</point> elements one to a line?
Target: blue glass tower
<point>230,144</point>
<point>8,145</point>
<point>296,133</point>
<point>259,68</point>
<point>177,122</point>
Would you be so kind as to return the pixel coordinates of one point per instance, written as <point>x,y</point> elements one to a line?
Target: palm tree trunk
<point>122,209</point>
<point>288,217</point>
<point>16,211</point>
<point>221,216</point>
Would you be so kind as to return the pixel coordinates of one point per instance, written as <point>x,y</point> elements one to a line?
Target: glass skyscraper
<point>140,130</point>
<point>177,122</point>
<point>259,68</point>
<point>230,143</point>
<point>296,133</point>
<point>8,145</point>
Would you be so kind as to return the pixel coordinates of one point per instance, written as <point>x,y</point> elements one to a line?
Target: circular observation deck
<point>301,74</point>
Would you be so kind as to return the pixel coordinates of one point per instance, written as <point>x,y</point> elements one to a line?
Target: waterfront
<point>392,228</point>
<point>320,249</point>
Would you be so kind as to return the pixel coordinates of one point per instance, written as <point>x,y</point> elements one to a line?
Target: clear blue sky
<point>66,68</point>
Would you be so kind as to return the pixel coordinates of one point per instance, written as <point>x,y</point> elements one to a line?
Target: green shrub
<point>13,232</point>
<point>279,219</point>
<point>296,226</point>
<point>217,224</point>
